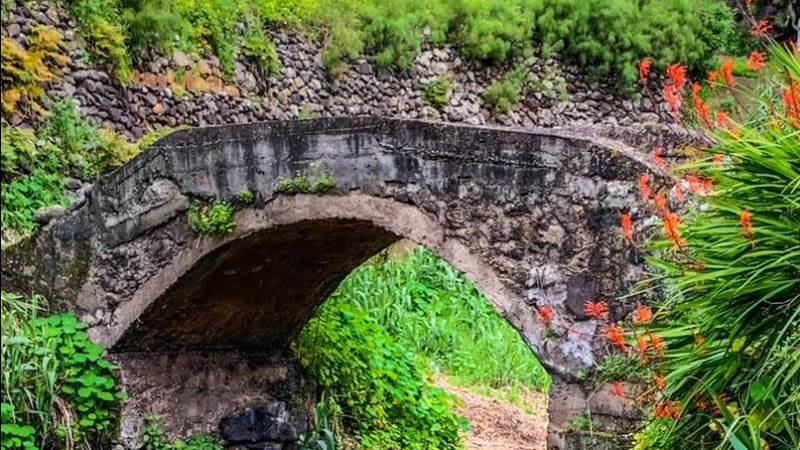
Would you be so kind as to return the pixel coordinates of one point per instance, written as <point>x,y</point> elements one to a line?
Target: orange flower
<point>545,315</point>
<point>643,314</point>
<point>791,102</point>
<point>760,28</point>
<point>667,408</point>
<point>701,109</point>
<point>700,186</point>
<point>726,70</point>
<point>659,380</point>
<point>597,310</point>
<point>677,74</point>
<point>618,389</point>
<point>718,159</point>
<point>673,98</point>
<point>616,336</point>
<point>698,265</point>
<point>679,193</point>
<point>661,203</point>
<point>643,187</point>
<point>713,76</point>
<point>699,339</point>
<point>644,69</point>
<point>671,223</point>
<point>656,153</point>
<point>701,404</point>
<point>756,61</point>
<point>658,344</point>
<point>641,347</point>
<point>722,119</point>
<point>746,220</point>
<point>627,229</point>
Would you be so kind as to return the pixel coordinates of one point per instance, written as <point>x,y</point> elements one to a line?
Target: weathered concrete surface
<point>531,217</point>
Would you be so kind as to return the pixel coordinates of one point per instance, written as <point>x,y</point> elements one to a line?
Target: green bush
<point>35,164</point>
<point>435,312</point>
<point>503,94</point>
<point>213,219</point>
<point>58,390</point>
<point>152,435</point>
<point>435,93</point>
<point>382,388</point>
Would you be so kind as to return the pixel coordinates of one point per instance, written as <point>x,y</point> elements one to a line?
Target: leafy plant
<point>323,181</point>
<point>731,305</point>
<point>214,219</point>
<point>57,388</point>
<point>380,386</point>
<point>503,94</point>
<point>152,436</point>
<point>435,93</point>
<point>245,197</point>
<point>322,436</point>
<point>25,72</point>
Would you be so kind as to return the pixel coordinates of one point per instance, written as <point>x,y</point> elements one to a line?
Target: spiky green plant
<point>730,316</point>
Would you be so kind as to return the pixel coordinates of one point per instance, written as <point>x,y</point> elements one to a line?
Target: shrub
<point>432,310</point>
<point>25,73</point>
<point>503,94</point>
<point>435,93</point>
<point>152,435</point>
<point>100,23</point>
<point>35,164</point>
<point>57,388</point>
<point>214,219</point>
<point>381,387</point>
<point>261,51</point>
<point>153,26</point>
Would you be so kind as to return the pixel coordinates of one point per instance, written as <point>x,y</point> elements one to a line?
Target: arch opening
<point>216,340</point>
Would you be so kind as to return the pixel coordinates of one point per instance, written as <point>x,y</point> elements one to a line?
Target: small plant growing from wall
<point>212,219</point>
<point>323,181</point>
<point>505,93</point>
<point>245,197</point>
<point>152,435</point>
<point>435,93</point>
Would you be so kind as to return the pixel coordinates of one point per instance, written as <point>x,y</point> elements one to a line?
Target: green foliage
<point>735,283</point>
<point>245,197</point>
<point>371,342</point>
<point>584,421</point>
<point>381,387</point>
<point>323,181</point>
<point>100,24</point>
<point>503,94</point>
<point>24,72</point>
<point>50,365</point>
<point>152,25</point>
<point>327,421</point>
<point>261,50</point>
<point>434,311</point>
<point>213,219</point>
<point>34,165</point>
<point>435,93</point>
<point>297,185</point>
<point>152,435</point>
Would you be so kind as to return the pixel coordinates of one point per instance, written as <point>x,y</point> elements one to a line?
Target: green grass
<point>434,311</point>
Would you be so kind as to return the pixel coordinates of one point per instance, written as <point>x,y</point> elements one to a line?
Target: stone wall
<point>190,90</point>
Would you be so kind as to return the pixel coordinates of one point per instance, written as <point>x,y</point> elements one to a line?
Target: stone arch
<point>527,215</point>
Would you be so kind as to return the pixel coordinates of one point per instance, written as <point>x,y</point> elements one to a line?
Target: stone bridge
<point>200,325</point>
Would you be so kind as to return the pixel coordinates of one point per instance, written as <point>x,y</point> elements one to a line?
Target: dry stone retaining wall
<point>189,90</point>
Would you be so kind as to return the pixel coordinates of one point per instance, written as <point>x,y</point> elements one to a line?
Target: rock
<point>259,424</point>
<point>181,59</point>
<point>43,216</point>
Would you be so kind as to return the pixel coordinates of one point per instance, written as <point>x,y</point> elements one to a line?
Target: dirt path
<point>499,425</point>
